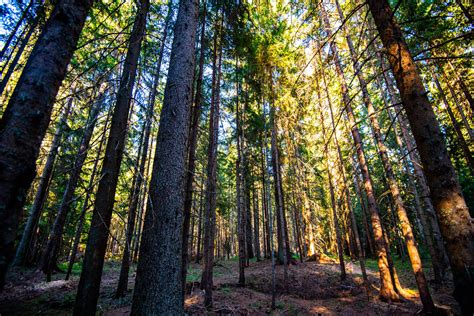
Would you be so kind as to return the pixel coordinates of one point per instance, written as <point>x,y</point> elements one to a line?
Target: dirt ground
<point>314,288</point>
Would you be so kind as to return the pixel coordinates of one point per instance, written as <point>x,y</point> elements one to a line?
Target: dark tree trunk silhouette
<point>89,284</point>
<point>26,118</point>
<point>140,172</point>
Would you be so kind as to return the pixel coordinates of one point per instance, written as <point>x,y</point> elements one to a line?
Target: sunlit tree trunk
<point>387,288</point>
<point>415,259</point>
<point>341,168</point>
<point>337,229</point>
<point>453,214</point>
<point>428,216</point>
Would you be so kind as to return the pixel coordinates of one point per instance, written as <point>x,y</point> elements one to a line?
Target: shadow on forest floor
<point>314,288</point>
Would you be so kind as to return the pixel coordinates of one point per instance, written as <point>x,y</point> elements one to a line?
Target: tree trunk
<point>239,188</point>
<point>256,224</point>
<point>193,138</point>
<point>453,214</point>
<point>89,284</point>
<point>387,289</point>
<point>211,185</point>
<point>284,255</point>
<point>265,202</point>
<point>431,228</point>
<point>337,229</point>
<point>26,118</point>
<point>41,192</point>
<point>50,255</point>
<point>132,212</point>
<point>161,246</point>
<point>415,259</point>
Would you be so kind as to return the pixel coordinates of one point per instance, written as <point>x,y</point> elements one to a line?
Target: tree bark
<point>26,118</point>
<point>453,214</point>
<point>211,185</point>
<point>132,212</point>
<point>89,284</point>
<point>239,188</point>
<point>256,224</point>
<point>283,245</point>
<point>193,138</point>
<point>161,246</point>
<point>428,217</point>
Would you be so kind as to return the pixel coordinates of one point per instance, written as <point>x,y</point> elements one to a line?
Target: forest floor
<point>314,288</point>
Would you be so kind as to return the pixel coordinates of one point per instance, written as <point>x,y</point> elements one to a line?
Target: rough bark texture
<point>193,138</point>
<point>26,118</point>
<point>211,185</point>
<point>453,214</point>
<point>49,259</point>
<point>89,284</point>
<point>140,172</point>
<point>161,246</point>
